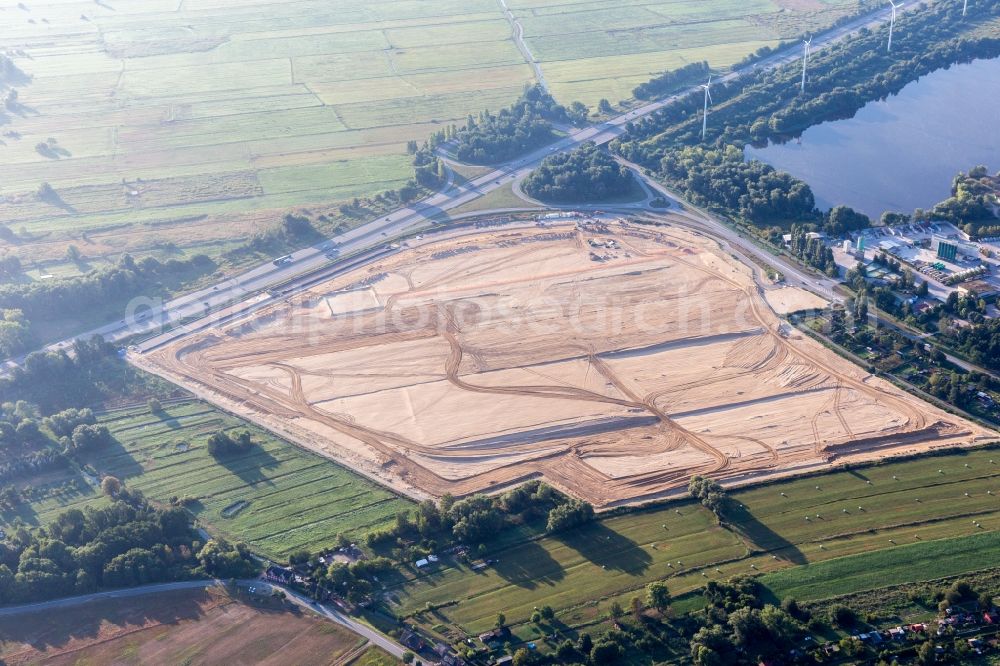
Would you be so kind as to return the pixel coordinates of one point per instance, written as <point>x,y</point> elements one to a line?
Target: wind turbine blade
<point>709,93</point>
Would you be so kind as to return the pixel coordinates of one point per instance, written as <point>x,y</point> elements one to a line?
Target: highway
<point>151,318</point>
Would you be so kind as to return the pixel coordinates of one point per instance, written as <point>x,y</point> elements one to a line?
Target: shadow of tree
<point>528,566</point>
<point>858,475</point>
<point>58,628</point>
<point>607,548</point>
<point>250,467</point>
<point>115,459</point>
<point>761,537</point>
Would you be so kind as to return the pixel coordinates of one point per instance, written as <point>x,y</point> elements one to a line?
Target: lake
<point>901,153</point>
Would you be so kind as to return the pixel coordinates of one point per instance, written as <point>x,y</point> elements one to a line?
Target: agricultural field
<point>867,528</point>
<point>277,499</point>
<point>591,50</point>
<point>171,128</point>
<point>209,626</point>
<point>477,359</point>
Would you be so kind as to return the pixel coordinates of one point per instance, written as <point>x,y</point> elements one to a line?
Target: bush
<point>843,617</point>
<point>221,444</point>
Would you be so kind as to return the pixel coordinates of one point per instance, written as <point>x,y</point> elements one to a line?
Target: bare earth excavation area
<point>614,361</point>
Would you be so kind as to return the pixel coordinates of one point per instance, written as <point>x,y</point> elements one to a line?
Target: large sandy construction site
<point>615,362</point>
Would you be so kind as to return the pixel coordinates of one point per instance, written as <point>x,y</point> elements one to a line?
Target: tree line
<point>769,105</point>
<point>722,178</point>
<point>128,543</point>
<point>523,126</point>
<point>971,206</point>
<point>477,520</point>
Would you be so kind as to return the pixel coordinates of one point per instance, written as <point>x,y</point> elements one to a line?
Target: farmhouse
<point>281,575</point>
<point>498,635</point>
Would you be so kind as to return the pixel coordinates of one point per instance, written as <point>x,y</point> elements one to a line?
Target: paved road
<point>745,249</point>
<point>329,613</point>
<point>146,317</point>
<point>334,615</point>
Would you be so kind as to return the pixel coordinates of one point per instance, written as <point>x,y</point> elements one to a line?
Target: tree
<point>710,493</point>
<point>524,657</point>
<point>604,106</point>
<point>87,437</point>
<point>299,557</point>
<point>501,621</point>
<point>296,226</point>
<point>657,595</point>
<point>843,616</point>
<point>111,486</point>
<point>6,583</point>
<point>572,513</point>
<point>616,610</point>
<point>154,406</point>
<point>567,652</point>
<point>408,657</point>
<point>221,559</point>
<point>499,137</point>
<point>710,646</point>
<point>605,652</point>
<point>221,444</point>
<point>585,174</point>
<point>926,654</point>
<point>635,607</point>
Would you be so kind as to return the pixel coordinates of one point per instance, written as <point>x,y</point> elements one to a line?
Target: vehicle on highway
<point>281,261</point>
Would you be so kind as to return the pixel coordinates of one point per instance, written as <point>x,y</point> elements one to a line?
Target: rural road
<point>162,321</point>
<point>518,33</point>
<point>363,630</point>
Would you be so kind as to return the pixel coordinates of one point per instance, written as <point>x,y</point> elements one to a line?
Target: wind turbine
<point>805,60</point>
<point>892,22</point>
<point>708,98</point>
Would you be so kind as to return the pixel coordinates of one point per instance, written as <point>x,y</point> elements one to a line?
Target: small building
<point>421,563</point>
<point>498,635</point>
<point>411,640</point>
<point>281,575</point>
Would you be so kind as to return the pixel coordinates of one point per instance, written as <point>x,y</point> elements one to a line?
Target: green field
<point>290,498</point>
<point>868,571</point>
<point>919,525</point>
<point>589,50</point>
<point>186,127</point>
